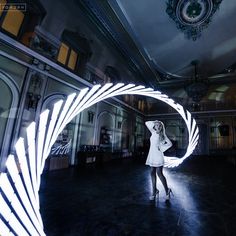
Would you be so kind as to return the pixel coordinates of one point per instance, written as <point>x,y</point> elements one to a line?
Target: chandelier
<point>197,89</point>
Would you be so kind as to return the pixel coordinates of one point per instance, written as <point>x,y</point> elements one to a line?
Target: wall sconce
<point>33,100</point>
<point>90,117</point>
<point>34,91</point>
<point>119,124</point>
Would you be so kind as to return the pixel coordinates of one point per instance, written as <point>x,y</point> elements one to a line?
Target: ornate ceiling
<point>166,29</point>
<point>191,17</point>
<point>162,39</point>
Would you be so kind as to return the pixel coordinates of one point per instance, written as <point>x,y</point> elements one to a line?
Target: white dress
<point>155,156</point>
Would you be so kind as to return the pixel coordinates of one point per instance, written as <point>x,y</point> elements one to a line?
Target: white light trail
<point>52,122</point>
<point>32,157</point>
<point>4,230</point>
<point>32,206</point>
<point>71,110</point>
<point>40,143</point>
<point>16,205</point>
<point>61,118</point>
<point>40,138</point>
<point>5,210</point>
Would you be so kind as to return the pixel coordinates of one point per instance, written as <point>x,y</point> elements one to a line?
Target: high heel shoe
<point>156,195</point>
<point>169,191</point>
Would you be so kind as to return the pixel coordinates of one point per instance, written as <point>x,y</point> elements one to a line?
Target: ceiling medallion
<point>192,16</point>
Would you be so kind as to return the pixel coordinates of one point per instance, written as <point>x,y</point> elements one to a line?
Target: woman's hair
<point>162,131</point>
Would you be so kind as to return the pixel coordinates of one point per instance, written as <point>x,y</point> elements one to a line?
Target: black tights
<point>159,172</point>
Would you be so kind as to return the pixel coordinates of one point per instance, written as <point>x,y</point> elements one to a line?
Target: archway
<point>105,130</point>
<point>19,187</point>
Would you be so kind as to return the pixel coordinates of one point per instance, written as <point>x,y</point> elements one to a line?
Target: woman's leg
<point>162,177</point>
<point>154,180</point>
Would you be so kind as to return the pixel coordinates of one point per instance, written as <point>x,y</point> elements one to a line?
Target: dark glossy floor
<point>113,200</point>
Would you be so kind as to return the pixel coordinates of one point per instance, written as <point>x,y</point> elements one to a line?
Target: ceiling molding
<point>181,82</point>
<point>117,36</point>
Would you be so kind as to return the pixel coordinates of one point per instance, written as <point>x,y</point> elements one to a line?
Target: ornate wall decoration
<point>192,16</point>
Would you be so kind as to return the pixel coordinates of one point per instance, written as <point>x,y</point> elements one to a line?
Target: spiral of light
<point>19,186</point>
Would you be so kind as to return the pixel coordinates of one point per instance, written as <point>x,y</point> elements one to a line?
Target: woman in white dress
<point>159,143</point>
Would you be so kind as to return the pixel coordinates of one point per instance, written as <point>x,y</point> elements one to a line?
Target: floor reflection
<point>114,200</point>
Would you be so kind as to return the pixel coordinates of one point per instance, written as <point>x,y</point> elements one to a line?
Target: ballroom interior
<point>134,61</point>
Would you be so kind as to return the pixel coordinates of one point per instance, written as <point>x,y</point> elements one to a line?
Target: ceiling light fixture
<point>198,88</point>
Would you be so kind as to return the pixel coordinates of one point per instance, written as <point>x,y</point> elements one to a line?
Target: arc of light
<point>5,230</point>
<point>20,205</point>
<point>193,129</point>
<point>55,113</point>
<point>100,97</point>
<point>128,90</point>
<point>7,215</point>
<point>40,142</point>
<point>31,206</point>
<point>82,102</point>
<point>61,117</point>
<point>25,169</point>
<point>110,93</point>
<point>32,157</point>
<point>16,205</point>
<point>70,110</point>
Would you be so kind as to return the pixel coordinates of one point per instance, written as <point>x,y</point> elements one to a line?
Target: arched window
<point>9,97</point>
<point>5,107</point>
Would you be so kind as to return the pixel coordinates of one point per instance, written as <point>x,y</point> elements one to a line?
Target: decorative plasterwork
<point>192,16</point>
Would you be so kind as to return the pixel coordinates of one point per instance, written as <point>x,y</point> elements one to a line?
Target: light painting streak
<point>40,143</point>
<point>32,157</point>
<point>61,118</point>
<point>71,110</point>
<point>19,200</point>
<point>33,211</point>
<point>5,230</point>
<point>16,205</point>
<point>29,188</point>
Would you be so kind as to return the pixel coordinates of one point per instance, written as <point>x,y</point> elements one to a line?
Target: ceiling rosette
<point>192,16</point>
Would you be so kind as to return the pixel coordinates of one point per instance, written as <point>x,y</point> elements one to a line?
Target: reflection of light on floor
<point>182,201</point>
<point>177,182</point>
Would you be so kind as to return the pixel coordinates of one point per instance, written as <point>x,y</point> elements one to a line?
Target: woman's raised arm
<point>150,125</point>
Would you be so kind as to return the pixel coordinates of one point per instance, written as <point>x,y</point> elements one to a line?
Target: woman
<point>159,143</point>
